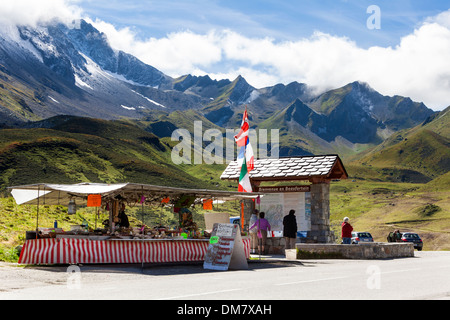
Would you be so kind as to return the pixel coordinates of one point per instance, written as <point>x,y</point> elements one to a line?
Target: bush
<point>9,255</point>
<point>428,210</point>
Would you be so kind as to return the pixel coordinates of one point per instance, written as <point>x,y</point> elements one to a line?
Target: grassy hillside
<point>440,184</point>
<point>164,124</point>
<point>419,154</point>
<point>382,207</point>
<point>87,150</point>
<point>439,123</point>
<point>15,97</point>
<point>421,157</point>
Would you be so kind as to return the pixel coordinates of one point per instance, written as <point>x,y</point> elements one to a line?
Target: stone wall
<point>366,251</point>
<point>275,246</point>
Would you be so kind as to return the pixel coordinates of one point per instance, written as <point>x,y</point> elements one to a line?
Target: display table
<point>86,251</point>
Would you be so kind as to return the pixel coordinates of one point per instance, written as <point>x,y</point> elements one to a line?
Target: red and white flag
<point>242,136</point>
<point>243,141</point>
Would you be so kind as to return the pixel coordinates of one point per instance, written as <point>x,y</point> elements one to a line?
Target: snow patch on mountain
<point>253,96</point>
<point>53,99</point>
<point>10,37</point>
<point>81,84</point>
<point>149,100</point>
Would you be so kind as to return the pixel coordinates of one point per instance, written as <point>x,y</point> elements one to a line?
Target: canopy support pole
<point>37,213</point>
<point>96,218</point>
<point>142,202</point>
<point>142,230</point>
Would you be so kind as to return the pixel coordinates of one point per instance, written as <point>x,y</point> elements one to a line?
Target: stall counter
<point>114,251</point>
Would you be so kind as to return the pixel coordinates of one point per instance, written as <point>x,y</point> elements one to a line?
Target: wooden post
<point>114,215</point>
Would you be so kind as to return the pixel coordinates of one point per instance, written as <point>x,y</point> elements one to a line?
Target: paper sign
<point>226,250</point>
<point>94,201</point>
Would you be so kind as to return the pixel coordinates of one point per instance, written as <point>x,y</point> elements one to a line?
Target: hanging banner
<point>208,204</point>
<point>284,189</point>
<point>94,201</point>
<point>165,200</point>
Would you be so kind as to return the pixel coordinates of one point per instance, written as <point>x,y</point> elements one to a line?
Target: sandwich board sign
<point>226,249</point>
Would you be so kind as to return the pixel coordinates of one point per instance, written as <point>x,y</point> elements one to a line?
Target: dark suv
<point>407,237</point>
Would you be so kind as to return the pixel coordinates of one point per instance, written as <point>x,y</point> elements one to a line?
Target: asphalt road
<point>424,277</point>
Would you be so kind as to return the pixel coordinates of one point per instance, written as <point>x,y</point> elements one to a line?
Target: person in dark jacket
<point>290,230</point>
<point>123,218</point>
<point>347,231</point>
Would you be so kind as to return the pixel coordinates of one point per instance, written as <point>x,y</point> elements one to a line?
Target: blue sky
<point>278,19</point>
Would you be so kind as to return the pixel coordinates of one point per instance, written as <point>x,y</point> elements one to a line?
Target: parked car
<point>235,220</point>
<point>358,237</point>
<point>406,237</point>
<point>414,238</point>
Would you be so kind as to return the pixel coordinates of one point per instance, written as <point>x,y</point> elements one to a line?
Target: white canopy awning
<point>60,194</point>
<point>23,196</point>
<point>55,194</point>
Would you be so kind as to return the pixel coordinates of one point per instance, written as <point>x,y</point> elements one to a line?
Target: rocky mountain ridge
<point>57,69</point>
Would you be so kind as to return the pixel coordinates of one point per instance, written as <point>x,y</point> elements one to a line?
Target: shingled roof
<point>329,167</point>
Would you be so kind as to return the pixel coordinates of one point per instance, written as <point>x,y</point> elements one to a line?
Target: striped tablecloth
<point>75,251</point>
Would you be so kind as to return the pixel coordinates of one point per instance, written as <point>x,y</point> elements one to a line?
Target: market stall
<point>118,242</point>
<point>86,251</point>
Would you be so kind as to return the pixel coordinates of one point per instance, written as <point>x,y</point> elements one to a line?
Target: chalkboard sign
<point>226,249</point>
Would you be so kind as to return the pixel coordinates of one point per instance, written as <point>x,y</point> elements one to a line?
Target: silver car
<point>358,237</point>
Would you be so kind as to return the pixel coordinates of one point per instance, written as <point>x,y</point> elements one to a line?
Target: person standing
<point>263,226</point>
<point>123,218</point>
<point>346,231</point>
<point>290,229</point>
<point>253,232</point>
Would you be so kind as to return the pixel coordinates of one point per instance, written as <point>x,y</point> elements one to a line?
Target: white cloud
<point>31,12</point>
<point>176,54</point>
<point>418,67</point>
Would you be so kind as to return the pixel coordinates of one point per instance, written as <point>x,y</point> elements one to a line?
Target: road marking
<point>309,281</point>
<point>200,294</point>
<point>400,271</point>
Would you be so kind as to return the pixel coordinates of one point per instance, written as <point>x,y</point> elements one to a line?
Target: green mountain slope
<point>439,123</point>
<point>15,99</point>
<point>420,154</point>
<point>71,150</point>
<point>441,183</point>
<point>424,152</point>
<point>164,124</point>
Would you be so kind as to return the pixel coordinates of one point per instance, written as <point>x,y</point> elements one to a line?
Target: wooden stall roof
<point>312,168</point>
